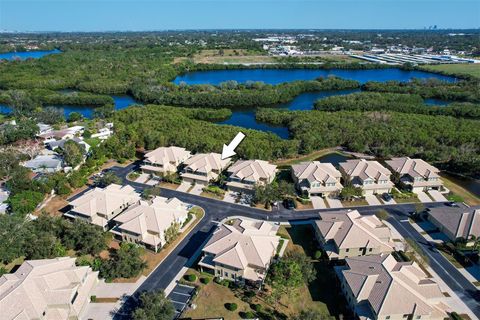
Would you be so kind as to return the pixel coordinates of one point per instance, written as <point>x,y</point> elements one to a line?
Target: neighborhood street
<point>216,210</point>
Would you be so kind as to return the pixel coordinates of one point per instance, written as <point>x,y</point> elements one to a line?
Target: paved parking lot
<point>437,196</point>
<point>423,197</point>
<point>180,297</point>
<point>372,200</point>
<point>334,203</point>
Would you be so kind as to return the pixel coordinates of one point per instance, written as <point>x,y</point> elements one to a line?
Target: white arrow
<point>229,151</point>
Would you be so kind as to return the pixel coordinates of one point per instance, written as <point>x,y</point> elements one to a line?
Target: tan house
<point>369,175</point>
<point>241,251</point>
<point>245,174</point>
<point>347,233</point>
<point>456,222</point>
<point>53,289</point>
<point>204,167</point>
<point>100,205</point>
<point>147,221</point>
<point>164,160</point>
<point>379,287</point>
<point>416,173</point>
<point>317,179</point>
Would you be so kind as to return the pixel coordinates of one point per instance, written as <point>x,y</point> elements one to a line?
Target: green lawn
<point>471,69</point>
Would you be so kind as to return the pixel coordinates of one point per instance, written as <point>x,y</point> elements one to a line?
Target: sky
<point>147,15</point>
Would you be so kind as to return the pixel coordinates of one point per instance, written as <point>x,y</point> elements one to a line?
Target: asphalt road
<point>216,210</point>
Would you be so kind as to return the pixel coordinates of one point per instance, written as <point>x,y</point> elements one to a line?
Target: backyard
<point>321,295</point>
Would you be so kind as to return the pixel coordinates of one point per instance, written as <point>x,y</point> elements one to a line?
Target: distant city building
<point>456,222</point>
<point>348,234</point>
<point>46,289</point>
<point>241,251</point>
<point>245,174</point>
<point>379,287</point>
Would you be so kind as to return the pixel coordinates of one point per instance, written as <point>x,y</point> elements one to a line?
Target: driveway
<point>391,201</point>
<point>230,197</point>
<point>180,297</point>
<point>423,197</point>
<point>142,178</point>
<point>318,202</point>
<point>184,186</point>
<point>372,200</point>
<point>334,203</point>
<point>437,196</point>
<point>197,189</point>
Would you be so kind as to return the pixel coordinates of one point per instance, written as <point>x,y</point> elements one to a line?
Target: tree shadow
<point>325,288</point>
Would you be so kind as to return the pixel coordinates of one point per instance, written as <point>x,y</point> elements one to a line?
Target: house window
<point>347,250</point>
<point>418,317</point>
<point>387,317</point>
<point>226,274</point>
<point>370,249</point>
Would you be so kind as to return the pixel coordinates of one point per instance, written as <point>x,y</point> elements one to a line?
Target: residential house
<point>44,128</point>
<point>54,144</point>
<point>45,163</point>
<point>416,173</point>
<point>46,289</point>
<point>4,194</point>
<point>241,251</point>
<point>456,222</point>
<point>369,175</point>
<point>379,287</point>
<point>317,179</point>
<point>245,174</point>
<point>66,133</point>
<point>147,221</point>
<point>204,167</point>
<point>348,234</point>
<point>99,205</point>
<point>164,160</point>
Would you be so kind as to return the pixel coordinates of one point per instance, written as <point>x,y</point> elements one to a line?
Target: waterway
<point>26,54</point>
<point>276,76</point>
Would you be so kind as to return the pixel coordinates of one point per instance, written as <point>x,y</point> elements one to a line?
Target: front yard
<point>321,295</point>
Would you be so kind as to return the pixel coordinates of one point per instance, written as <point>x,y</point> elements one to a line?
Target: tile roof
<point>46,286</point>
<point>350,229</point>
<point>166,155</point>
<point>459,221</point>
<point>206,162</point>
<point>252,170</point>
<point>413,167</point>
<point>391,287</point>
<point>245,243</point>
<point>365,169</point>
<point>316,171</point>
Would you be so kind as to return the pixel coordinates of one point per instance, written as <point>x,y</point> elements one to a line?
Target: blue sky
<point>138,15</point>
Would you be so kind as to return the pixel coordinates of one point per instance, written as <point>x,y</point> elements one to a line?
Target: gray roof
<point>52,161</point>
<point>459,221</point>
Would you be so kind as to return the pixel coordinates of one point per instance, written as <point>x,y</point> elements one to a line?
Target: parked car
<point>387,197</point>
<point>289,204</point>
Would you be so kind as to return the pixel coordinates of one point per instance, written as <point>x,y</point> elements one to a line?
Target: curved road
<point>216,210</point>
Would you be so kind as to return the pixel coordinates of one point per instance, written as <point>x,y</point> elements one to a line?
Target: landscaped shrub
<point>231,306</point>
<point>190,277</point>
<point>257,307</point>
<point>205,280</point>
<point>318,254</point>
<point>250,294</point>
<point>247,315</point>
<point>93,298</point>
